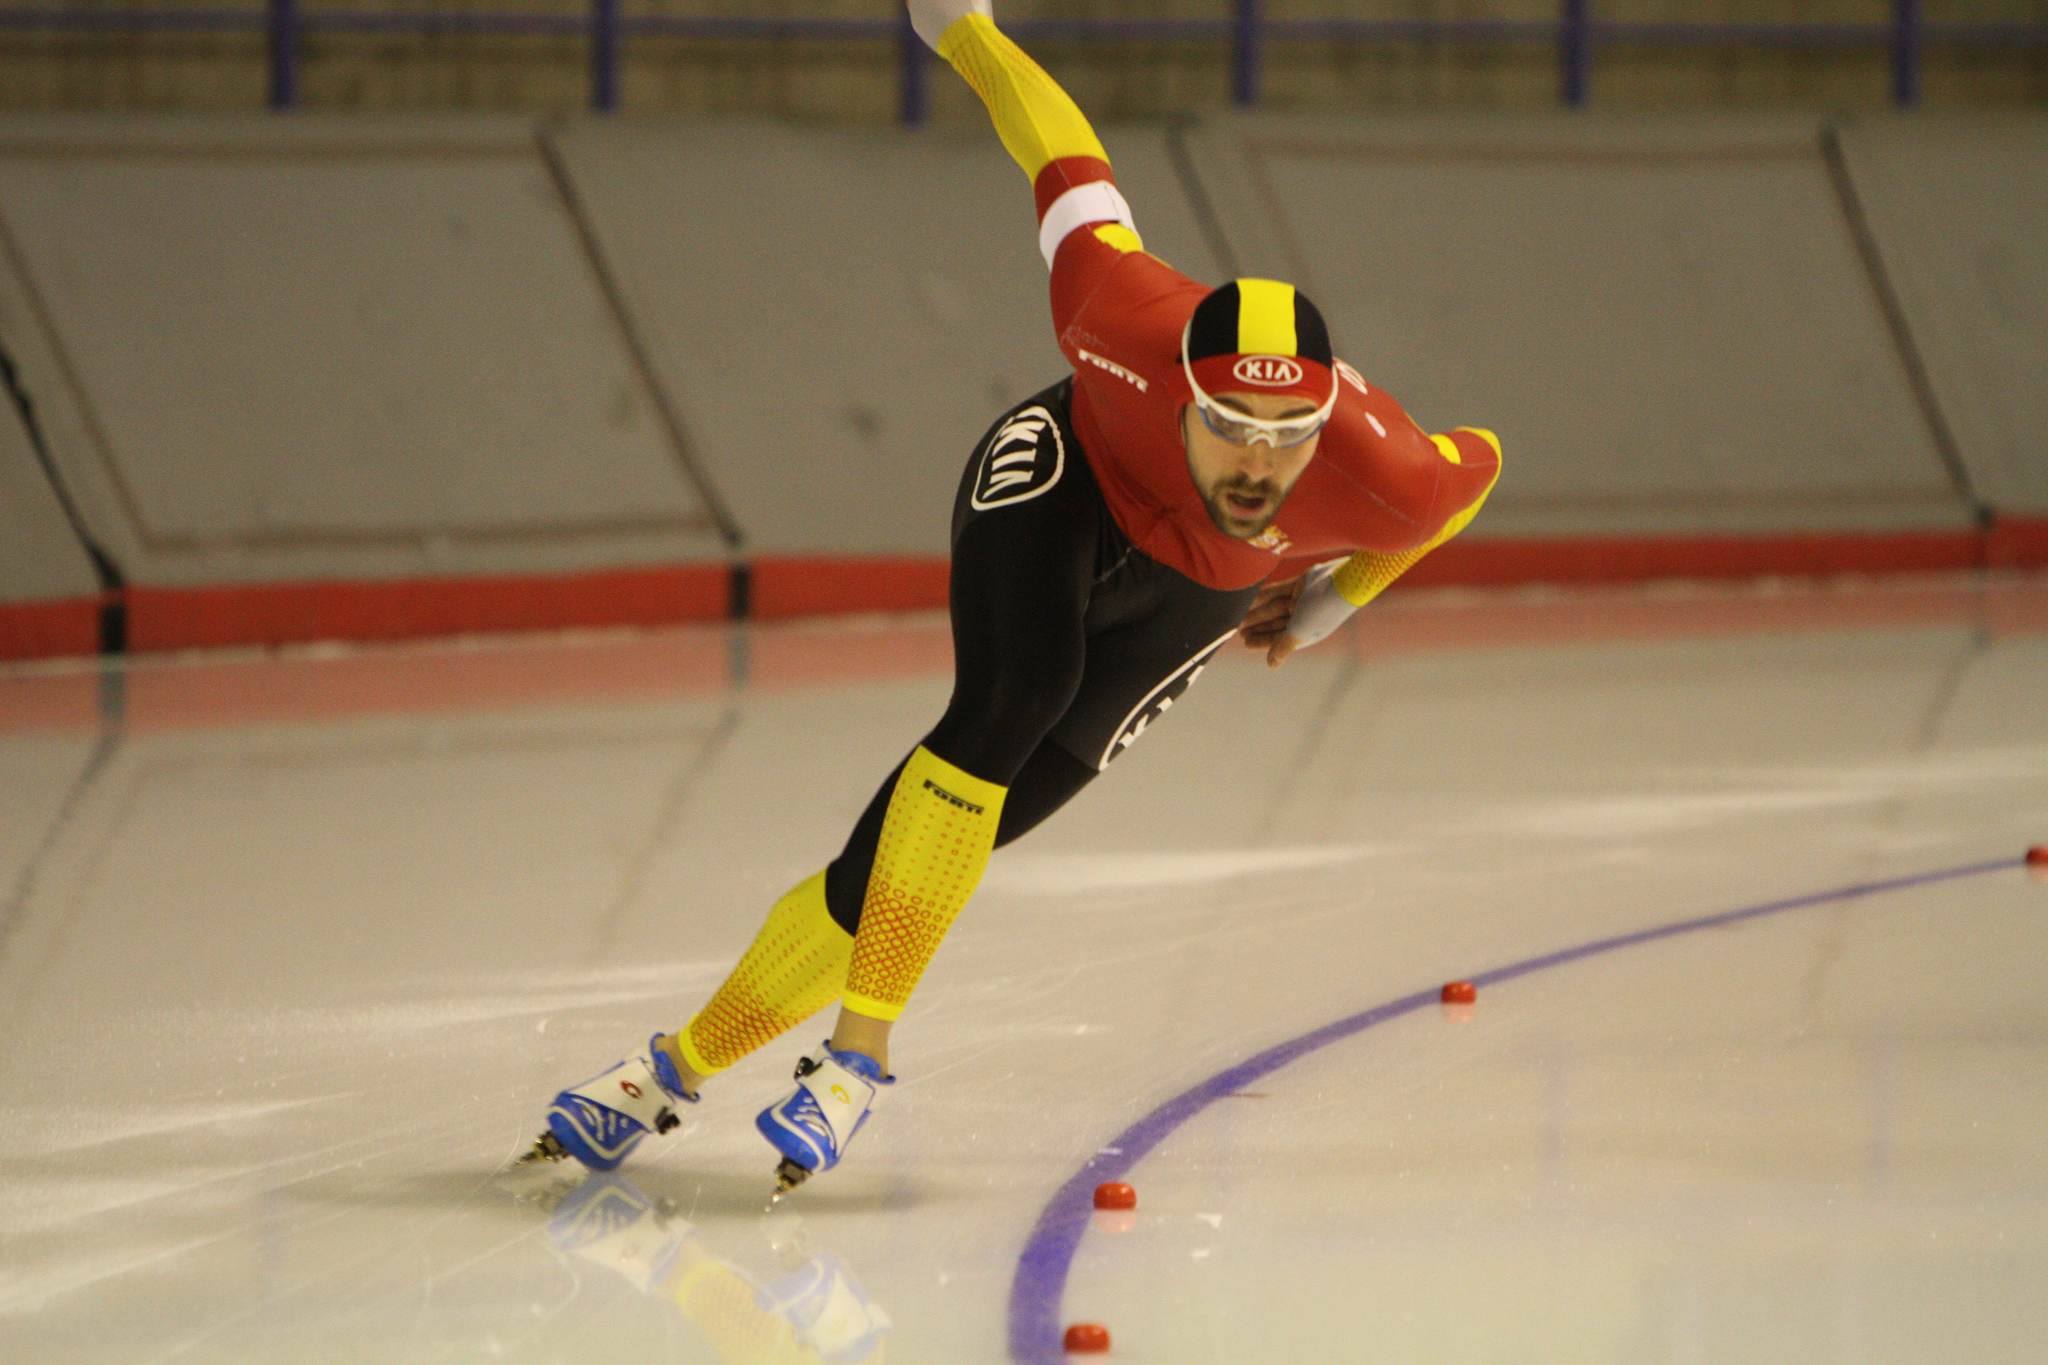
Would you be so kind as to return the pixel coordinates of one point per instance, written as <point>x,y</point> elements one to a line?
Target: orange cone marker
<point>1459,993</point>
<point>1087,1338</point>
<point>1115,1195</point>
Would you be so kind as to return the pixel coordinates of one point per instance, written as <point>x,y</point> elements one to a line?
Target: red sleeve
<point>1084,263</point>
<point>1089,248</point>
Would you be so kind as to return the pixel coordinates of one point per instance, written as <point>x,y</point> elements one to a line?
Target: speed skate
<point>600,1121</point>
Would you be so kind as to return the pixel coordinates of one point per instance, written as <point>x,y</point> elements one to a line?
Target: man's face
<point>1244,485</point>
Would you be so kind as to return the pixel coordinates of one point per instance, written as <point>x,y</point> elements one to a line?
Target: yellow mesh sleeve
<point>935,844</point>
<point>795,968</point>
<point>1037,120</point>
<point>1368,573</point>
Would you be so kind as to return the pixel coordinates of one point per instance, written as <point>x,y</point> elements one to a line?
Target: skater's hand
<point>1293,615</point>
<point>1265,625</point>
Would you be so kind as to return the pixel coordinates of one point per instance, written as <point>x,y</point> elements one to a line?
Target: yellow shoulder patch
<point>1118,236</point>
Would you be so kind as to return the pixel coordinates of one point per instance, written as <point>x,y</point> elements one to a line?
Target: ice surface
<point>290,972</point>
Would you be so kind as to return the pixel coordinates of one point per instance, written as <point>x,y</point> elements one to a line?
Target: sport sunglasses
<point>1243,429</point>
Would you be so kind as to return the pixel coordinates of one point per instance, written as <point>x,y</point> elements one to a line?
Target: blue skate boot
<point>601,1120</point>
<point>812,1125</point>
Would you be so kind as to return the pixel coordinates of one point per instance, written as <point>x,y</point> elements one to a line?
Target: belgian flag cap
<point>1260,336</point>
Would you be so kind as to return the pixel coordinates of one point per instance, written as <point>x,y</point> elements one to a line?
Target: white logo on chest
<point>1023,459</point>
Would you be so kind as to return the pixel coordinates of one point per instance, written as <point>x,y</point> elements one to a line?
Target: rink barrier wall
<point>211,691</point>
<point>782,588</point>
<point>1666,318</point>
<point>882,346</point>
<point>1954,209</point>
<point>261,352</point>
<point>40,554</point>
<point>881,325</point>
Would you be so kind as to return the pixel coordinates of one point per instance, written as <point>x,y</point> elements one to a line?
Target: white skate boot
<point>835,1091</point>
<point>601,1120</point>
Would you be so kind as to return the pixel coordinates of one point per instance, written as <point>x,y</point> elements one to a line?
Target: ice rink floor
<point>294,950</point>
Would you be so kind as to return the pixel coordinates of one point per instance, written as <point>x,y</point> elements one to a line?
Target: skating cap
<point>1260,336</point>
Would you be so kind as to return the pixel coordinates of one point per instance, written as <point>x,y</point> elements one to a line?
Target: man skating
<point>1110,534</point>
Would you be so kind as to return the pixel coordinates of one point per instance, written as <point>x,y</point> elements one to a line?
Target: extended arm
<point>1047,135</point>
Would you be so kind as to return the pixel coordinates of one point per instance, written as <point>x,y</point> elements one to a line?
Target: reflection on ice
<point>809,1310</point>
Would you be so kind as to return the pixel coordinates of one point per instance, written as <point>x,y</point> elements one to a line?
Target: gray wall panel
<point>838,314</point>
<point>1669,324</point>
<point>40,557</point>
<point>1960,213</point>
<point>308,357</point>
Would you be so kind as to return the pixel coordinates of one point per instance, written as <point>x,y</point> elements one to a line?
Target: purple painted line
<point>1040,1282</point>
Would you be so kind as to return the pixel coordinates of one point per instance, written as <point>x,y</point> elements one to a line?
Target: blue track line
<point>1041,1278</point>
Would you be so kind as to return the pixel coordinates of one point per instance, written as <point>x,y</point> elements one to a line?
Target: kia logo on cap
<point>1273,371</point>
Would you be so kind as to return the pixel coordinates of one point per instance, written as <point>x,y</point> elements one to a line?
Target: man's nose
<point>1256,461</point>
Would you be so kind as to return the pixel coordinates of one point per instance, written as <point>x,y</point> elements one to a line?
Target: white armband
<point>1320,609</point>
<point>1098,201</point>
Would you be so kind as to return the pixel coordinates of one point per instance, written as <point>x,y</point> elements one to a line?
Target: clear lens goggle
<point>1243,429</point>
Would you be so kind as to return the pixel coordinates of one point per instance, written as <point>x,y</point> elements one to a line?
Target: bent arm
<point>1325,597</point>
<point>1473,455</point>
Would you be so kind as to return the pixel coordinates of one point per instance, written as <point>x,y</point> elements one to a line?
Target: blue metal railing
<point>1576,33</point>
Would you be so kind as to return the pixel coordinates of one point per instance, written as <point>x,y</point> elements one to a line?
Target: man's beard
<point>1230,520</point>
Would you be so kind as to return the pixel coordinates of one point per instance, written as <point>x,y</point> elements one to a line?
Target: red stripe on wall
<point>2017,543</point>
<point>51,629</point>
<point>404,609</point>
<point>829,585</point>
<point>822,585</point>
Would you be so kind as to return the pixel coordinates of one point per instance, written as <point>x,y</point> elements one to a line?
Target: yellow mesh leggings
<point>934,846</point>
<point>795,968</point>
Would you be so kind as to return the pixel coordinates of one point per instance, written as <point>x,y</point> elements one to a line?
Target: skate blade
<point>788,1175</point>
<point>546,1147</point>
